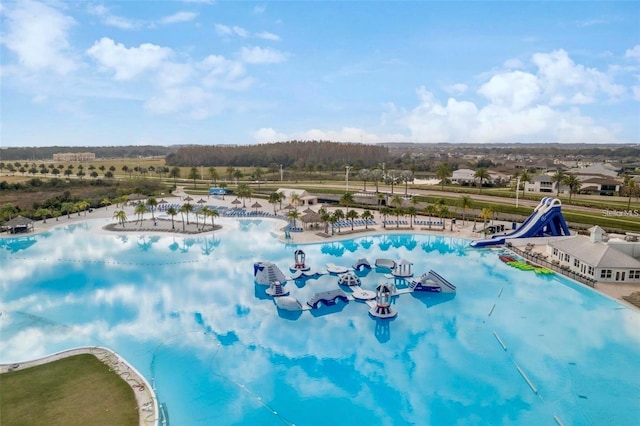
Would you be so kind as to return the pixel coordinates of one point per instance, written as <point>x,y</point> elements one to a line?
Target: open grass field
<point>79,390</point>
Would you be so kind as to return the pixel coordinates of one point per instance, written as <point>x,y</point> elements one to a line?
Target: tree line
<point>298,154</point>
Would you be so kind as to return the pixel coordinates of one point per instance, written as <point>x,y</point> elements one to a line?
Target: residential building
<point>615,260</point>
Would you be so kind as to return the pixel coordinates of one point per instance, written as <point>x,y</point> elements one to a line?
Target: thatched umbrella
<point>308,210</point>
<point>256,205</point>
<point>188,198</point>
<point>289,207</point>
<point>201,201</point>
<point>311,217</point>
<point>236,202</point>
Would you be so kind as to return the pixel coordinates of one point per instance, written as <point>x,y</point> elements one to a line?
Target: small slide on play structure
<point>545,221</point>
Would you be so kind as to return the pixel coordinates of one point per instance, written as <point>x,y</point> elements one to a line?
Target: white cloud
<point>223,30</point>
<point>258,55</point>
<point>172,74</point>
<point>513,64</point>
<point>634,52</point>
<point>112,20</point>
<point>515,89</point>
<point>456,89</point>
<point>195,102</point>
<point>267,134</point>
<point>220,72</point>
<point>561,79</point>
<point>226,31</point>
<point>127,63</point>
<point>38,35</point>
<point>259,9</point>
<point>179,17</point>
<point>240,31</point>
<point>265,35</point>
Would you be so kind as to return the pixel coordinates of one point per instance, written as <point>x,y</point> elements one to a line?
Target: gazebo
<point>19,224</point>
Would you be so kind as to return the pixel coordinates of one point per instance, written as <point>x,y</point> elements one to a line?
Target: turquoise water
<point>186,313</point>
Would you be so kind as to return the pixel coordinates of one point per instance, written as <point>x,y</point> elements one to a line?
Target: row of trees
<point>297,154</point>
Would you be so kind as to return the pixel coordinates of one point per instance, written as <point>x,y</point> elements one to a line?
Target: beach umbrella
<point>236,202</point>
<point>308,210</point>
<point>188,198</point>
<point>163,201</point>
<point>289,207</point>
<point>201,201</point>
<point>256,205</point>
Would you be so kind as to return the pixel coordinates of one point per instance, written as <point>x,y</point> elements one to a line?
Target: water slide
<point>546,220</point>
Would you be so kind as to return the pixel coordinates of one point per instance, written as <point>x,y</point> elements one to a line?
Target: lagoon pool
<point>186,313</point>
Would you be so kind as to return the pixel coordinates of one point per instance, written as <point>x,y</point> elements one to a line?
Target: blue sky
<point>205,72</point>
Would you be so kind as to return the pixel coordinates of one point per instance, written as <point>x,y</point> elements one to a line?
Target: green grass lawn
<point>79,390</point>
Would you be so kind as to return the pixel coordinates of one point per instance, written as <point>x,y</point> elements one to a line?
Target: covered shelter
<point>19,225</point>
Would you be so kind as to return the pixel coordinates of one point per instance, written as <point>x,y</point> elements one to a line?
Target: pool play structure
<point>379,301</point>
<point>546,220</point>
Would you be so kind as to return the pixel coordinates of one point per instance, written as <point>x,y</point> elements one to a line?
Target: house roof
<point>603,169</point>
<point>598,254</point>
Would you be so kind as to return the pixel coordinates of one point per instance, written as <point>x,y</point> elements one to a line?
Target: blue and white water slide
<point>546,220</point>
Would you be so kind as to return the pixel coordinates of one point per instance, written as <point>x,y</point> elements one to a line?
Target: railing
<point>561,269</point>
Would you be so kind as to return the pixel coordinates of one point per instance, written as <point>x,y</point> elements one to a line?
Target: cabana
<point>18,225</point>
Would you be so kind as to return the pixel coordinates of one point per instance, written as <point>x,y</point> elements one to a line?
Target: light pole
<point>347,177</point>
<point>517,191</point>
<point>281,173</point>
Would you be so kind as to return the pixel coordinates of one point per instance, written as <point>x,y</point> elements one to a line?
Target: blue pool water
<point>186,313</point>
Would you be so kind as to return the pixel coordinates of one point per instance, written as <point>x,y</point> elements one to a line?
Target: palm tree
<point>339,215</point>
<point>411,212</point>
<point>295,200</point>
<point>105,202</point>
<point>481,174</point>
<point>573,183</point>
<point>332,220</point>
<point>366,215</point>
<point>213,213</point>
<point>140,210</point>
<point>324,218</point>
<point>443,173</point>
<point>630,188</point>
<point>347,199</point>
<point>274,198</point>
<point>525,177</point>
<point>174,173</point>
<point>152,203</point>
<point>244,191</point>
<point>120,216</point>
<point>171,211</point>
<point>377,175</point>
<point>465,203</point>
<point>430,210</point>
<point>193,174</point>
<point>364,175</point>
<point>558,178</point>
<point>443,212</point>
<point>213,174</point>
<point>293,215</point>
<point>186,208</point>
<point>81,206</point>
<point>396,202</point>
<point>486,214</point>
<point>406,176</point>
<point>352,215</point>
<point>385,211</point>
